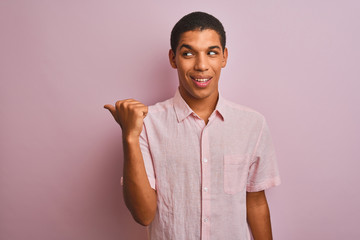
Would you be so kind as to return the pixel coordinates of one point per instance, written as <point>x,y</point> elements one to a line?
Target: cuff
<point>263,185</point>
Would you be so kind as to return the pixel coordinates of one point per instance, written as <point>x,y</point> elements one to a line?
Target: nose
<point>201,63</point>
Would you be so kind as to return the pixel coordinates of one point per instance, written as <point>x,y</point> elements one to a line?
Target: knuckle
<point>118,103</point>
<point>124,104</point>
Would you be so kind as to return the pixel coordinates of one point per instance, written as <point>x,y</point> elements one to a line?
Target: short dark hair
<point>196,21</point>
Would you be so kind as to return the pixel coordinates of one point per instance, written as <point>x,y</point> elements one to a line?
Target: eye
<point>187,54</point>
<point>212,53</point>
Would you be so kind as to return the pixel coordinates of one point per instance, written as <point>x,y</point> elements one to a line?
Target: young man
<point>196,165</point>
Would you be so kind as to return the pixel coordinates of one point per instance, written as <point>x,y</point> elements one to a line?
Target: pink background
<point>297,62</point>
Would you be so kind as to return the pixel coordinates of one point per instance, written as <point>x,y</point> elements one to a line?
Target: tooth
<point>202,79</point>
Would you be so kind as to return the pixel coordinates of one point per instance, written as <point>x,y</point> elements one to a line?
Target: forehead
<point>200,39</point>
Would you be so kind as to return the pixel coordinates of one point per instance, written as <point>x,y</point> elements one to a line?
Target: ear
<point>225,56</point>
<point>172,58</point>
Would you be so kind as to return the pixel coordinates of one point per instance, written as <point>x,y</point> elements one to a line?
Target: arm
<point>139,197</point>
<point>258,215</point>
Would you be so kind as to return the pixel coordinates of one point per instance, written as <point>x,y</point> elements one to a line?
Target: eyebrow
<point>189,47</point>
<point>213,47</point>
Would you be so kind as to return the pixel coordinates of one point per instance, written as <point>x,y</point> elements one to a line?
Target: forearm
<point>258,217</point>
<point>139,197</point>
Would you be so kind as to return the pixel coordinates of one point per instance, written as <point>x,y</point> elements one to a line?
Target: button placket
<point>205,184</point>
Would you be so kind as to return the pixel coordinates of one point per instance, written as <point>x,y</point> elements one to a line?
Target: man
<point>196,165</point>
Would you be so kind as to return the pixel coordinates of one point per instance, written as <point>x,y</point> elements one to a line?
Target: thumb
<point>112,110</point>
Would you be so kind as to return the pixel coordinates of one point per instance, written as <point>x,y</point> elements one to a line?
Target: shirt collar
<point>183,110</point>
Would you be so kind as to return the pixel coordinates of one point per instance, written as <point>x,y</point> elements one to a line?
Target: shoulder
<point>162,106</point>
<point>239,110</point>
<point>160,113</point>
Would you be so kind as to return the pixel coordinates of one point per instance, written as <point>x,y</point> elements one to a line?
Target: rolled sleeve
<point>146,154</point>
<point>148,163</point>
<point>263,171</point>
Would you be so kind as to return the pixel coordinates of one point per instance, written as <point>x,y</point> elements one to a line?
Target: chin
<point>201,95</point>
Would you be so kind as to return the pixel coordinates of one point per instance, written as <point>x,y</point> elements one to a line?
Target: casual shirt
<point>201,172</point>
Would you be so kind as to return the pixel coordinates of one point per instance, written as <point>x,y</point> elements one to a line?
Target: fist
<point>129,114</point>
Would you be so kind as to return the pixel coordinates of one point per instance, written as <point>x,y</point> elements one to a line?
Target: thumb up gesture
<point>129,114</point>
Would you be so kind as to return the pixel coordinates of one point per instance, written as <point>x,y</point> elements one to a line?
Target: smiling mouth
<point>201,80</point>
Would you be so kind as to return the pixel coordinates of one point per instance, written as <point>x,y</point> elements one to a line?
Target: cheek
<point>217,67</point>
<point>182,75</point>
<point>185,65</point>
<point>216,63</point>
<point>181,72</point>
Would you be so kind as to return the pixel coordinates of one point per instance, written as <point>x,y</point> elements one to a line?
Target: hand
<point>129,114</point>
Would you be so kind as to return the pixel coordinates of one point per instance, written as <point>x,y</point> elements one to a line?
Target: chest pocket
<point>236,169</point>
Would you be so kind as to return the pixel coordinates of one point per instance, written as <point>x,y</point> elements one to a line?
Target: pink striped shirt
<point>201,172</point>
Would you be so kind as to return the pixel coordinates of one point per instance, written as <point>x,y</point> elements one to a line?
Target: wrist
<point>130,138</point>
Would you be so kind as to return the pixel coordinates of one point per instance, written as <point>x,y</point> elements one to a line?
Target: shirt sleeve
<point>145,150</point>
<point>263,170</point>
<point>146,154</point>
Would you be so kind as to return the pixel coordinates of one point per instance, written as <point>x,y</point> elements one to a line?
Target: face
<point>199,58</point>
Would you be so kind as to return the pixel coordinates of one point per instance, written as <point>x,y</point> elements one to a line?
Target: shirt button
<point>206,189</point>
<point>205,160</point>
<point>206,219</point>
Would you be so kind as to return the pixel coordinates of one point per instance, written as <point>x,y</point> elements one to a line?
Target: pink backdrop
<point>297,62</point>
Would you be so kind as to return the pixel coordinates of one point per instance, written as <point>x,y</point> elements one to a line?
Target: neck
<point>202,107</point>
